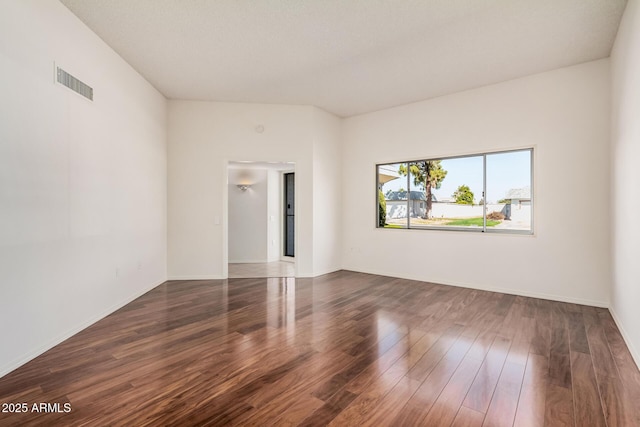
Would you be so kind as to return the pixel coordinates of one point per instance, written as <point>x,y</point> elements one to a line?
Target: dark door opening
<point>289,223</point>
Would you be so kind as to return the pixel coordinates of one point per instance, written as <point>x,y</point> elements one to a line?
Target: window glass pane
<point>509,190</point>
<point>417,201</point>
<point>454,187</point>
<point>392,196</point>
<point>448,193</point>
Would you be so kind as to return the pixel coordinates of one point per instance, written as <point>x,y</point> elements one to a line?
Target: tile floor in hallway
<point>263,269</point>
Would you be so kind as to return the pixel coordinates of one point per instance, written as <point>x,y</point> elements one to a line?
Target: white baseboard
<point>247,261</point>
<point>323,272</point>
<point>197,277</point>
<point>540,295</point>
<point>4,370</point>
<point>627,339</point>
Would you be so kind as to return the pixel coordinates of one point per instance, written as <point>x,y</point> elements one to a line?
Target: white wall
<point>82,184</point>
<point>204,136</point>
<point>625,135</point>
<point>327,193</point>
<point>248,216</point>
<point>275,215</point>
<point>564,115</point>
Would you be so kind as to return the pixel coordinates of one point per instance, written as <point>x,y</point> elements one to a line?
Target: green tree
<point>382,209</point>
<point>463,195</point>
<point>428,175</point>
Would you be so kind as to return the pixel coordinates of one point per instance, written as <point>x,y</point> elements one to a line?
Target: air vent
<point>74,84</point>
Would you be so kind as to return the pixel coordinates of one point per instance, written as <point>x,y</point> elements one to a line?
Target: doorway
<point>261,229</point>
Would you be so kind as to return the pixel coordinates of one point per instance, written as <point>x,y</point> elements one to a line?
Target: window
<point>490,192</point>
<point>392,199</point>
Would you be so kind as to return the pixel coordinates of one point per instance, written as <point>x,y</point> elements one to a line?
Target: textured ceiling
<point>346,56</point>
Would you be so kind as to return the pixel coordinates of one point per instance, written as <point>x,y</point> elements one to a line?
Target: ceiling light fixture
<point>243,187</point>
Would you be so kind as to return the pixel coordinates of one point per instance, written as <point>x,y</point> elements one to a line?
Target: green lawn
<point>465,222</point>
<point>461,222</point>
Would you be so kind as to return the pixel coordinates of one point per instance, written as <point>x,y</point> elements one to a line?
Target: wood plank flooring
<point>344,349</point>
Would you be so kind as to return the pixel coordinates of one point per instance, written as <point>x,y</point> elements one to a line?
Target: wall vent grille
<point>74,84</point>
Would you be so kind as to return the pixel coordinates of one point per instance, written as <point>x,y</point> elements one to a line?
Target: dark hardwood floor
<point>342,349</point>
